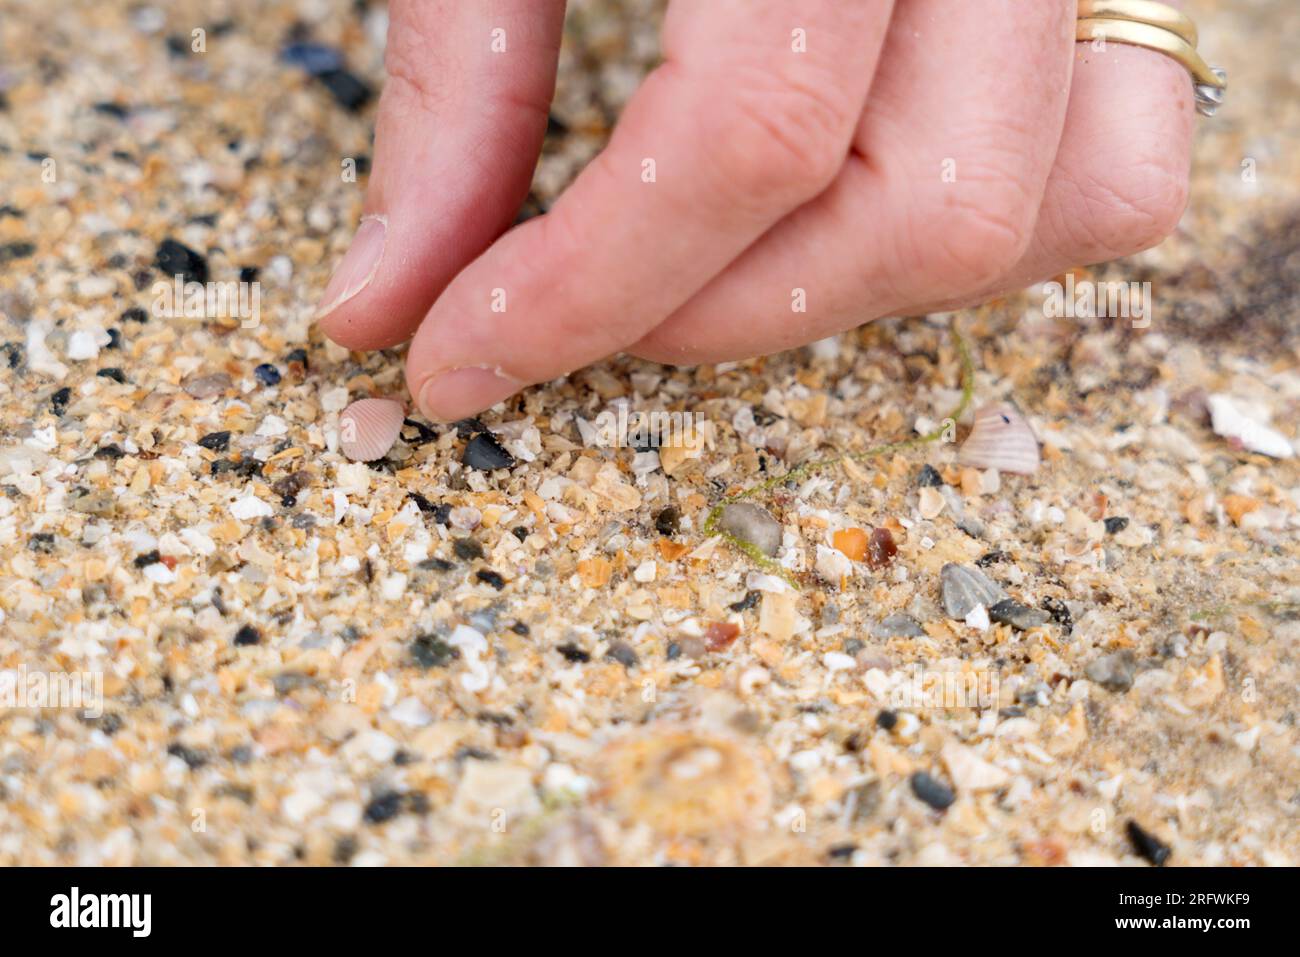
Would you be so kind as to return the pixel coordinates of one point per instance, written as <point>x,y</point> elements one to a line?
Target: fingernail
<point>358,267</point>
<point>463,392</point>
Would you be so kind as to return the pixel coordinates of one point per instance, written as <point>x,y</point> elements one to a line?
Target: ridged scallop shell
<point>1000,439</point>
<point>369,427</point>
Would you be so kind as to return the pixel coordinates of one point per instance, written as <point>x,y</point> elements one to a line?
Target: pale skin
<point>917,155</point>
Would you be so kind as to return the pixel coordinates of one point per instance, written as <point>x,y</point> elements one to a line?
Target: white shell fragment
<point>1000,439</point>
<point>369,427</point>
<point>1231,422</point>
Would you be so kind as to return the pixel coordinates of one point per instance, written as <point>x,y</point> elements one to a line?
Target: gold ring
<point>1141,11</point>
<point>1146,23</point>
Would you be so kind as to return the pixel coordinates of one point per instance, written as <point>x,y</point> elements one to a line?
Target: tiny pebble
<point>485,453</point>
<point>753,524</point>
<point>932,791</point>
<point>963,587</point>
<point>1147,845</point>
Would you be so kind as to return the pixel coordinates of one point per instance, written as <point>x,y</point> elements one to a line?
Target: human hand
<point>918,155</point>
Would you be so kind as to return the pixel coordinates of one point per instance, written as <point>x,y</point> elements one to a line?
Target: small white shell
<point>1000,439</point>
<point>369,427</point>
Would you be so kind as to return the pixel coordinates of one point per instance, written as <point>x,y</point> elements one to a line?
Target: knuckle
<point>779,142</point>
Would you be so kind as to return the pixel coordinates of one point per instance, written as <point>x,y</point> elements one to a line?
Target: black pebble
<point>519,628</point>
<point>430,651</point>
<point>176,259</point>
<point>59,401</point>
<point>135,314</point>
<point>442,514</point>
<point>928,477</point>
<point>572,652</point>
<point>674,651</point>
<point>147,559</point>
<point>193,759</point>
<point>216,441</point>
<point>115,110</point>
<point>489,577</point>
<point>114,339</point>
<point>887,720</point>
<point>422,503</point>
<point>519,532</point>
<point>750,600</point>
<point>1116,523</point>
<point>112,451</point>
<point>668,522</point>
<point>249,273</point>
<point>1147,845</point>
<point>841,851</point>
<point>932,791</point>
<point>484,452</point>
<point>248,635</point>
<point>384,807</point>
<point>990,558</point>
<point>349,90</point>
<point>16,250</point>
<point>467,549</point>
<point>112,373</point>
<point>267,374</point>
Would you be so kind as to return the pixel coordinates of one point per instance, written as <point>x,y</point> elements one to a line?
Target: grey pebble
<point>1018,616</point>
<point>932,791</point>
<point>963,587</point>
<point>752,523</point>
<point>898,625</point>
<point>1114,672</point>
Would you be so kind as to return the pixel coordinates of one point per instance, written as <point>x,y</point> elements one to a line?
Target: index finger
<point>750,116</point>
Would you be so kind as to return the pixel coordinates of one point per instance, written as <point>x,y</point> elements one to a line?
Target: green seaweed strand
<point>800,472</point>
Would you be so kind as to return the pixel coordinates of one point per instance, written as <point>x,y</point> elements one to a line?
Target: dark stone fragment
<point>1116,523</point>
<point>555,126</point>
<point>489,577</point>
<point>841,851</point>
<point>435,565</point>
<point>249,273</point>
<point>303,520</point>
<point>267,374</point>
<point>135,314</point>
<point>1060,613</point>
<point>176,259</point>
<point>423,433</point>
<point>177,45</point>
<point>110,723</point>
<point>115,110</point>
<point>674,651</point>
<point>59,401</point>
<point>42,542</point>
<point>1114,672</point>
<point>313,58</point>
<point>114,339</point>
<point>467,549</point>
<point>422,503</point>
<point>248,635</point>
<point>345,848</point>
<point>1147,845</point>
<point>468,427</point>
<point>14,353</point>
<point>112,373</point>
<point>430,651</point>
<point>384,807</point>
<point>519,532</point>
<point>932,791</point>
<point>1018,616</point>
<point>112,452</point>
<point>519,628</point>
<point>622,653</point>
<point>349,91</point>
<point>147,559</point>
<point>991,558</point>
<point>16,250</point>
<point>887,720</point>
<point>750,600</point>
<point>192,758</point>
<point>572,652</point>
<point>928,477</point>
<point>668,521</point>
<point>484,452</point>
